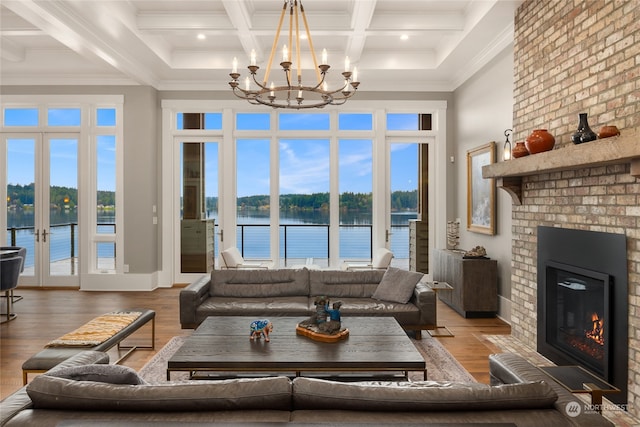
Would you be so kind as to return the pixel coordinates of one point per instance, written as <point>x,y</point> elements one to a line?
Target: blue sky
<point>304,163</point>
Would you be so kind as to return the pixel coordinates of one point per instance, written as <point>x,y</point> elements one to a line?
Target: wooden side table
<point>440,330</point>
<point>576,379</point>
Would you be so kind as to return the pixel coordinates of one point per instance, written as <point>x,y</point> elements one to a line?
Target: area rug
<point>441,365</point>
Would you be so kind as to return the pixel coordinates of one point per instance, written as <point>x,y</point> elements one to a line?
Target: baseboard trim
<point>119,282</point>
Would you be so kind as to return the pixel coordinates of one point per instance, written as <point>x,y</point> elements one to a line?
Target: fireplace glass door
<point>578,325</point>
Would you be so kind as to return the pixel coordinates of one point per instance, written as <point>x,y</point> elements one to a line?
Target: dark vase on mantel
<point>584,132</point>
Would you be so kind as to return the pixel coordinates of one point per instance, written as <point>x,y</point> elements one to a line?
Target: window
<point>21,117</point>
<point>199,121</point>
<point>351,121</point>
<point>63,117</point>
<point>303,121</point>
<point>356,202</point>
<point>253,200</point>
<point>402,121</point>
<point>253,121</point>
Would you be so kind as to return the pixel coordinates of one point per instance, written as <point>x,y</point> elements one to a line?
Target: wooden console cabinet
<point>474,282</point>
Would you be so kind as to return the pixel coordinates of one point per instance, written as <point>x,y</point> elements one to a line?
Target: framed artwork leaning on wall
<point>481,193</point>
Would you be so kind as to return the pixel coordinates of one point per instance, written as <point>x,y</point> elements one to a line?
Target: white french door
<point>406,170</point>
<point>42,205</point>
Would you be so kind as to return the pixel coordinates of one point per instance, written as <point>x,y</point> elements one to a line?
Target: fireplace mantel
<point>617,149</point>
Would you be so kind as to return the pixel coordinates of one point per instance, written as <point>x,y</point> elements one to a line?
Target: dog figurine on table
<point>260,328</point>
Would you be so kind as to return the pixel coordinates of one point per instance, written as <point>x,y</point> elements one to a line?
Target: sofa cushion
<point>259,283</point>
<point>397,285</point>
<point>405,314</point>
<point>111,374</point>
<point>60,393</point>
<point>309,393</point>
<point>344,284</point>
<point>230,306</point>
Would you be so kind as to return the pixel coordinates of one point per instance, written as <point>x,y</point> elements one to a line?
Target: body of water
<point>302,234</point>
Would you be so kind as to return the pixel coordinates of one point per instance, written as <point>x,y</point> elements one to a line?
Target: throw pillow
<point>397,285</point>
<point>111,374</point>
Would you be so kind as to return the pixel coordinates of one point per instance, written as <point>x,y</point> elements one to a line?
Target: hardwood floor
<point>45,314</point>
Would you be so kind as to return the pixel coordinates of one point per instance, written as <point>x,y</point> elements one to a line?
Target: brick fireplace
<point>575,57</point>
<point>583,302</point>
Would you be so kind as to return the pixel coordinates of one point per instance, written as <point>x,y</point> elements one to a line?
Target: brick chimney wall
<point>576,57</point>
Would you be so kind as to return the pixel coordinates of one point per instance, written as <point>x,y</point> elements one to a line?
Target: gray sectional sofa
<point>78,392</point>
<point>291,292</point>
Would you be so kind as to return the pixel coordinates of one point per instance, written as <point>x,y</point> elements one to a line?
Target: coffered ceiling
<point>156,43</point>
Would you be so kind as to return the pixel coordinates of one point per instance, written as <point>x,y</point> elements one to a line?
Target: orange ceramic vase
<point>540,140</point>
<point>520,150</point>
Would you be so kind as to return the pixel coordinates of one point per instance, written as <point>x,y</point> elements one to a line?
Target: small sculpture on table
<point>260,328</point>
<point>318,328</point>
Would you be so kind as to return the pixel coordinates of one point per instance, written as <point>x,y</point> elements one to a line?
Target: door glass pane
<point>106,257</point>
<point>63,213</point>
<point>253,239</point>
<point>106,184</point>
<point>404,198</point>
<point>356,189</point>
<point>198,205</point>
<point>21,198</point>
<point>304,200</point>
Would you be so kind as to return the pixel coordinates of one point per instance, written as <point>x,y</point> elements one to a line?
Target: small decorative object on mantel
<point>608,132</point>
<point>260,328</point>
<point>520,150</point>
<point>584,132</point>
<point>324,324</point>
<point>453,234</point>
<point>540,140</point>
<point>477,252</point>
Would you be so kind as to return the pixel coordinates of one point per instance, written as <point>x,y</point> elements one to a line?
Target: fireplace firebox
<point>578,314</point>
<point>583,302</point>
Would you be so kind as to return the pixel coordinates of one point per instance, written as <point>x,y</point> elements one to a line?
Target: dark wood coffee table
<point>221,344</point>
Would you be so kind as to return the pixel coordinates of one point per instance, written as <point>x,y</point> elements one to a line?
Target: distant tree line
<point>349,201</point>
<point>20,195</point>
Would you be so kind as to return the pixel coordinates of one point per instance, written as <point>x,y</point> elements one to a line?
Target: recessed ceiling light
<point>201,36</point>
<point>404,37</point>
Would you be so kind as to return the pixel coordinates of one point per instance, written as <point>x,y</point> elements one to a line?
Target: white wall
<point>482,110</point>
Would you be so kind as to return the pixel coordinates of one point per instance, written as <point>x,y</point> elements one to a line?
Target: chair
<point>380,261</point>
<point>232,259</point>
<point>22,252</point>
<point>9,273</point>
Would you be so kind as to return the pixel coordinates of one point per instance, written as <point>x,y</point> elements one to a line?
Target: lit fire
<point>597,329</point>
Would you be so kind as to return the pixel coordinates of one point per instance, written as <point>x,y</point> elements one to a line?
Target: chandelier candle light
<point>294,95</point>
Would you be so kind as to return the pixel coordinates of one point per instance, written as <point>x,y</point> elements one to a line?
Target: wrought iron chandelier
<point>294,94</point>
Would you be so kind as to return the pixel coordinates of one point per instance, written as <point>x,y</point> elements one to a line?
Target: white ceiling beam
<point>360,21</point>
<point>317,21</point>
<point>241,20</point>
<point>63,22</point>
<point>438,21</point>
<point>157,22</point>
<point>11,51</point>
